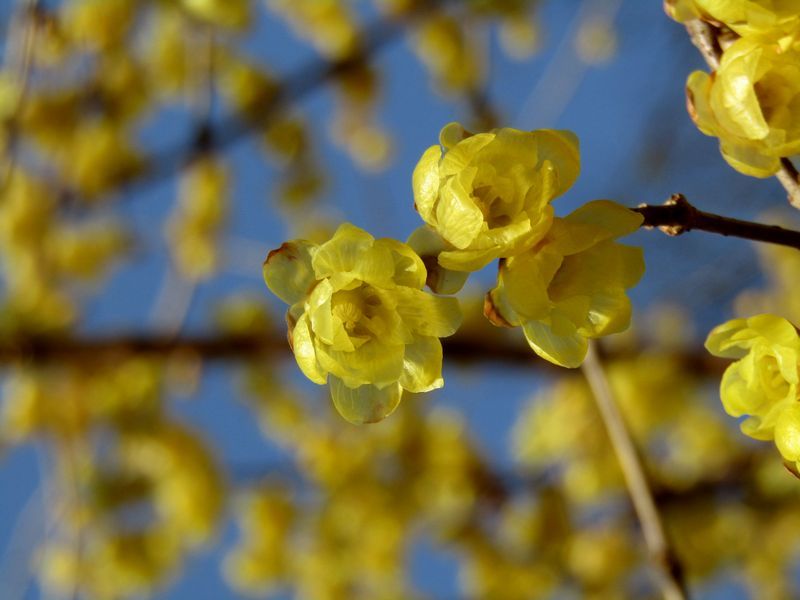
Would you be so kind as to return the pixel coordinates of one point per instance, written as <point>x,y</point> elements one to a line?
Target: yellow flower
<point>360,320</point>
<point>752,104</point>
<point>764,20</point>
<point>571,286</point>
<point>489,195</point>
<point>762,383</point>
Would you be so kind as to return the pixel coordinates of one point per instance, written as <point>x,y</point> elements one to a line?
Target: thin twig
<point>661,552</point>
<point>677,216</point>
<point>706,39</point>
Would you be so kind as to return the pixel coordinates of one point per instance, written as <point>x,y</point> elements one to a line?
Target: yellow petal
<point>526,279</point>
<point>458,219</point>
<point>563,350</point>
<point>409,270</point>
<point>288,272</point>
<point>425,181</point>
<point>304,352</point>
<point>426,314</point>
<point>787,432</point>
<point>373,362</point>
<point>422,365</point>
<point>352,253</point>
<point>365,403</point>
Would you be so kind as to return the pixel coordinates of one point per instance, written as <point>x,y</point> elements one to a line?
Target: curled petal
<point>288,272</point>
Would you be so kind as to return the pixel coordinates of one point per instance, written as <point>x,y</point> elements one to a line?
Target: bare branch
<point>662,555</point>
<point>677,216</point>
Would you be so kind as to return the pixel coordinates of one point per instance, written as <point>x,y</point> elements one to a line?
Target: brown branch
<point>677,216</point>
<point>462,348</point>
<point>707,40</point>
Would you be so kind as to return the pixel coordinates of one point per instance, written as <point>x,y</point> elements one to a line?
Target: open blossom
<point>764,20</point>
<point>763,382</point>
<point>488,195</point>
<point>359,319</point>
<point>570,287</point>
<point>752,104</point>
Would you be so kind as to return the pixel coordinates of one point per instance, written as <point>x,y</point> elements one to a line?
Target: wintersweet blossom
<point>488,195</point>
<point>570,287</point>
<point>763,382</point>
<point>752,104</point>
<point>359,320</point>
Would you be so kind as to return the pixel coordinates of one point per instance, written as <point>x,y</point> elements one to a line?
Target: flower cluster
<point>752,101</point>
<point>763,382</point>
<point>488,196</point>
<point>359,320</point>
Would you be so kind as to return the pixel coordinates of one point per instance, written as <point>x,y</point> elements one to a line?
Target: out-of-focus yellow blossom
<point>358,319</point>
<point>570,287</point>
<point>86,251</point>
<point>117,565</point>
<point>97,158</point>
<point>780,264</point>
<point>763,382</point>
<point>450,53</point>
<point>198,218</point>
<point>227,13</point>
<point>246,86</point>
<point>261,562</point>
<point>99,24</point>
<point>328,24</point>
<point>752,104</point>
<point>596,41</point>
<point>488,195</point>
<point>520,37</point>
<point>763,20</point>
<point>188,491</point>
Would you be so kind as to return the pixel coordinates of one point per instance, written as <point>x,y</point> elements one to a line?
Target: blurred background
<point>157,439</point>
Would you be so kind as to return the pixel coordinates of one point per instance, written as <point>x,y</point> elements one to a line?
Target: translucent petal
<point>467,260</point>
<point>698,90</point>
<point>372,362</point>
<point>459,157</point>
<point>351,252</point>
<point>422,365</point>
<point>304,352</point>
<point>787,432</point>
<point>733,96</point>
<point>288,272</point>
<point>748,158</point>
<point>458,219</point>
<point>328,328</point>
<point>426,314</point>
<point>409,269</point>
<point>365,403</point>
<point>720,340</point>
<point>425,181</point>
<point>525,282</point>
<point>566,351</point>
